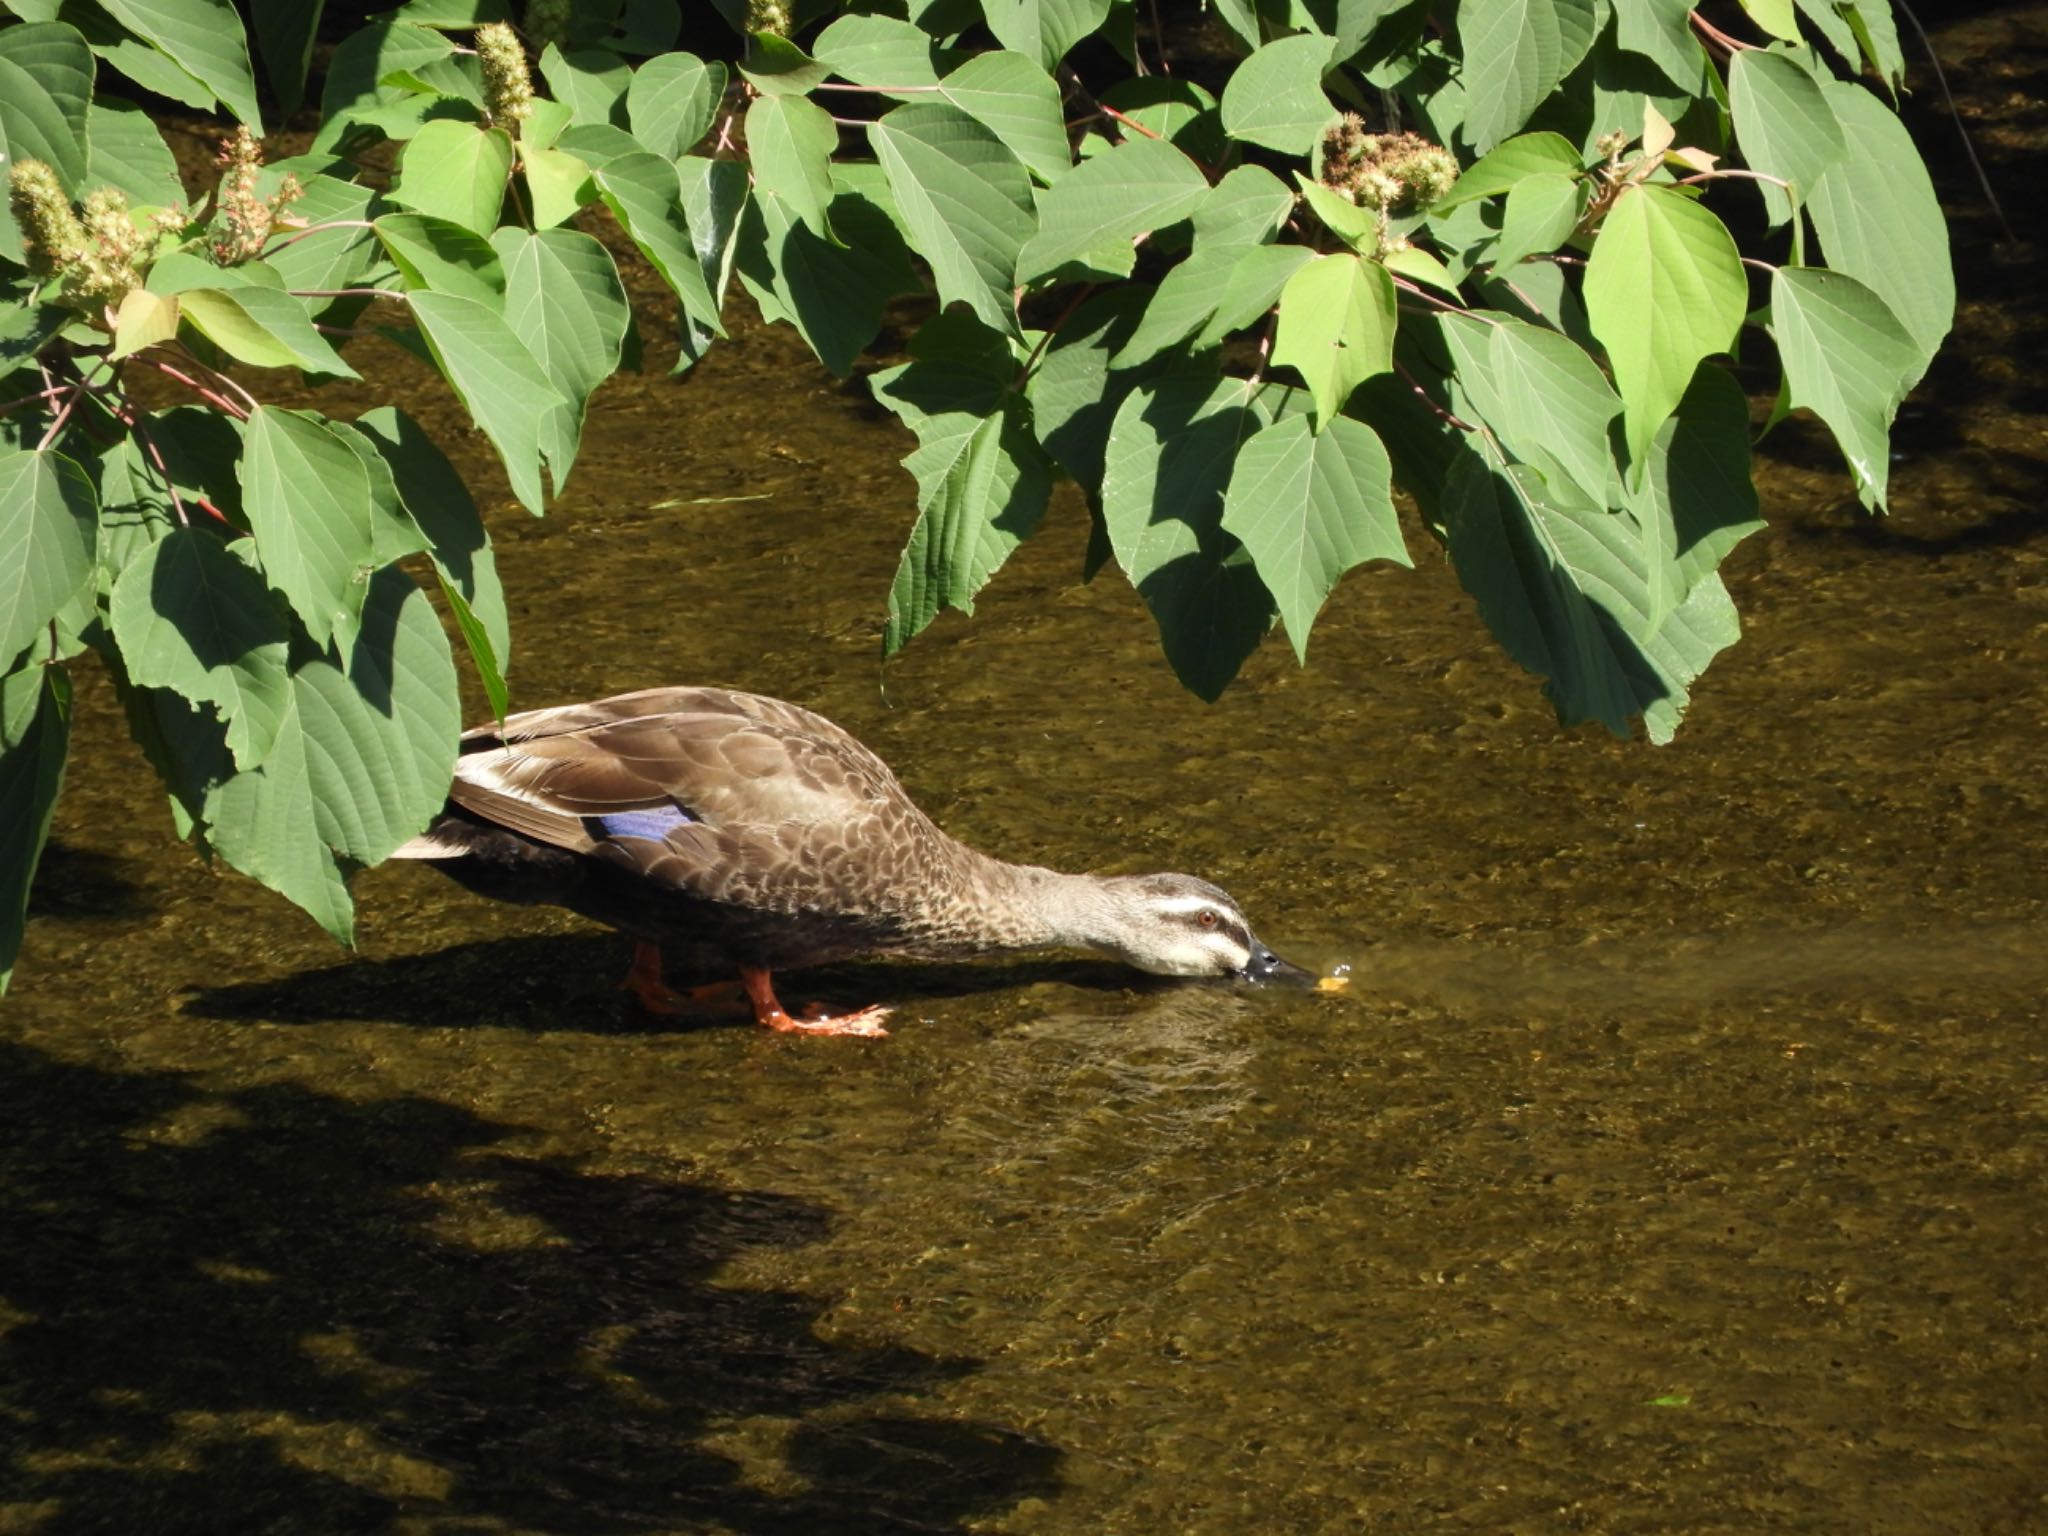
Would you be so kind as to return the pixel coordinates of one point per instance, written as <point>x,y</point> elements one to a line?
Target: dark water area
<point>1676,1161</point>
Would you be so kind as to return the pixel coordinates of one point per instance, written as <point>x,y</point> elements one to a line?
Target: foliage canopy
<point>1480,250</point>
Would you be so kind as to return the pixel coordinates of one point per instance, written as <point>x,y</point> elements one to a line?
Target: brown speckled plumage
<point>778,841</point>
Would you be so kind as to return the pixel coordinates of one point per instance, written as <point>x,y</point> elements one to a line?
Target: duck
<point>757,834</point>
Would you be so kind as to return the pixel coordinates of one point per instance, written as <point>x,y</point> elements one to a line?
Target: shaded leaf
<point>1099,207</point>
<point>672,101</point>
<point>35,734</point>
<point>206,40</point>
<point>48,511</point>
<point>563,298</point>
<point>190,616</point>
<point>1848,360</point>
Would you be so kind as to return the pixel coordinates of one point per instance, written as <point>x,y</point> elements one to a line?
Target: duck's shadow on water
<point>269,1309</point>
<point>568,982</point>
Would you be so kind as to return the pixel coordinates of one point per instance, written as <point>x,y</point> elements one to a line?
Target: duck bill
<point>1266,969</point>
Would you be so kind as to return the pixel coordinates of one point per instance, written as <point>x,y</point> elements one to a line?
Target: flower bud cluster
<point>1385,171</point>
<point>508,87</point>
<point>242,220</point>
<point>98,256</point>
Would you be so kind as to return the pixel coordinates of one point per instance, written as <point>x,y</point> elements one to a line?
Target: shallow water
<point>1674,1163</point>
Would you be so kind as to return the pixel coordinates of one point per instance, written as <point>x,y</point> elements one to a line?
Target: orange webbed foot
<point>644,981</point>
<point>770,1014</point>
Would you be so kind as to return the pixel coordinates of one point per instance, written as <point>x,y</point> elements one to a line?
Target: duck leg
<point>769,1012</point>
<point>644,980</point>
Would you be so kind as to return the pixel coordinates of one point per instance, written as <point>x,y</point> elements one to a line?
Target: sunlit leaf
<point>1308,506</point>
<point>264,327</point>
<point>1848,360</point>
<point>455,171</point>
<point>982,484</point>
<point>128,152</point>
<point>1506,165</point>
<point>563,298</point>
<point>442,255</point>
<point>1099,207</point>
<point>590,82</point>
<point>1337,317</point>
<point>1275,98</point>
<point>308,502</point>
<point>672,100</point>
<point>791,141</point>
<point>965,199</point>
<point>1044,29</point>
<point>1784,125</point>
<point>1664,289</point>
<point>206,39</point>
<point>1019,103</point>
<point>498,380</point>
<point>1515,53</point>
<point>877,51</point>
<point>1879,220</point>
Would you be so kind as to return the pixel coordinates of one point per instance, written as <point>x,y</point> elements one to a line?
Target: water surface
<point>1675,1162</point>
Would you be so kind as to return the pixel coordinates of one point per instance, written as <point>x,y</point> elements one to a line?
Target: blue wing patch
<point>653,824</point>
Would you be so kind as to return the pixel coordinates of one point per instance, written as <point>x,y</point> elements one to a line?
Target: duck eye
<point>1206,917</point>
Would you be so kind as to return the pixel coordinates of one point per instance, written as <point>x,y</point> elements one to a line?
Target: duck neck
<point>1040,908</point>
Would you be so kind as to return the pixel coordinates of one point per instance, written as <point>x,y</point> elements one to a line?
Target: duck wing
<point>733,797</point>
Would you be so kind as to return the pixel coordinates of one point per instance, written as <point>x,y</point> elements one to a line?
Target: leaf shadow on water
<point>568,981</point>
<point>269,1309</point>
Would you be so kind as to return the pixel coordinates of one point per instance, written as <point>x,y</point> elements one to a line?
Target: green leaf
<point>48,511</point>
<point>362,763</point>
<point>455,171</point>
<point>1544,397</point>
<point>714,194</point>
<point>590,82</point>
<point>1337,318</point>
<point>1664,288</point>
<point>1275,98</point>
<point>1516,52</point>
<point>35,734</point>
<point>45,91</point>
<point>1308,506</point>
<point>440,505</point>
<point>1249,206</point>
<point>982,486</point>
<point>284,37</point>
<point>791,141</point>
<point>1563,587</point>
<point>263,327</point>
<point>877,52</point>
<point>1784,125</point>
<point>1256,280</point>
<point>775,66</point>
<point>308,502</point>
<point>362,62</point>
<point>1775,17</point>
<point>1044,29</point>
<point>1848,360</point>
<point>563,298</point>
<point>672,100</point>
<point>206,40</point>
<point>1181,305</point>
<point>1098,208</point>
<point>128,152</point>
<point>1879,220</point>
<point>1878,33</point>
<point>834,295</point>
<point>496,377</point>
<point>1699,500</point>
<point>1661,31</point>
<point>643,193</point>
<point>190,616</point>
<point>966,201</point>
<point>444,256</point>
<point>1504,166</point>
<point>1019,103</point>
<point>1541,213</point>
<point>1167,466</point>
<point>326,258</point>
